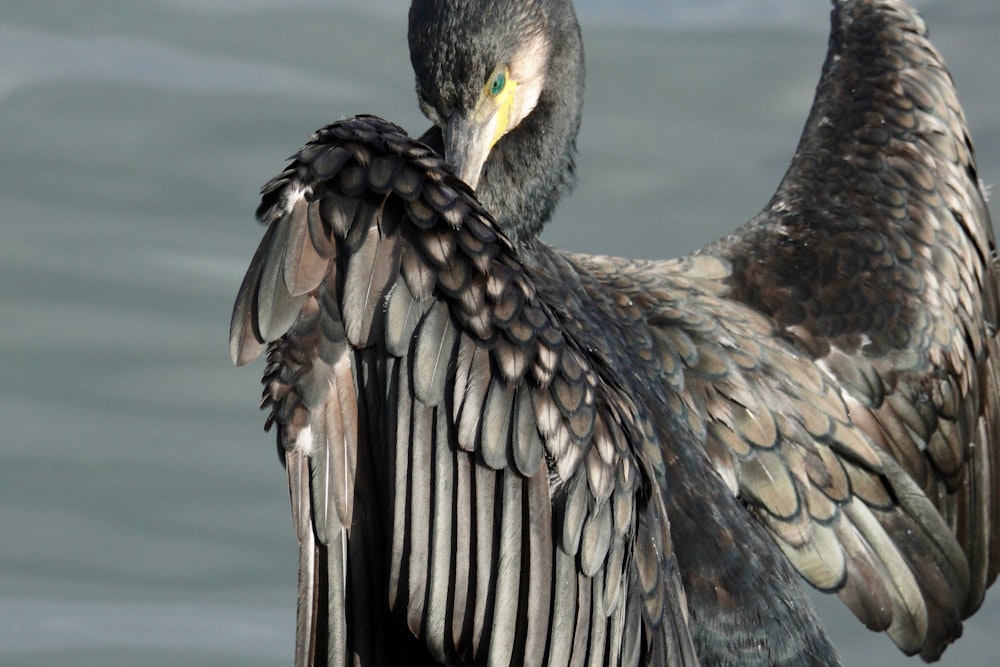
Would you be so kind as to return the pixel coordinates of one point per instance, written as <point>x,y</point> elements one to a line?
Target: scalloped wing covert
<point>449,448</point>
<point>876,256</point>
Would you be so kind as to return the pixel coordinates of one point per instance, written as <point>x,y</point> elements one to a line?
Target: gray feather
<point>507,591</point>
<point>487,521</point>
<point>297,468</point>
<point>496,424</point>
<point>419,500</point>
<point>442,548</point>
<point>433,355</point>
<point>245,340</point>
<point>463,589</point>
<point>526,441</point>
<point>403,314</point>
<point>304,266</point>
<point>472,402</point>
<point>536,592</point>
<point>276,308</point>
<point>563,620</point>
<point>595,540</point>
<point>370,271</point>
<point>401,475</point>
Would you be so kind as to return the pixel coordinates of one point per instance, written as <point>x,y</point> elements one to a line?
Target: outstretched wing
<point>458,471</point>
<point>876,258</point>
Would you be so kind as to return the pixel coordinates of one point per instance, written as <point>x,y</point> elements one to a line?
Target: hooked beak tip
<point>465,148</point>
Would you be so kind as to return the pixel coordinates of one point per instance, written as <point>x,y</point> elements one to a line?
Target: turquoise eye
<point>499,81</point>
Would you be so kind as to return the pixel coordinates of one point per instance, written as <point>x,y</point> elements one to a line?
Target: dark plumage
<point>499,452</point>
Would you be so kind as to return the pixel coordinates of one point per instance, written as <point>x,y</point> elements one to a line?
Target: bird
<point>499,452</point>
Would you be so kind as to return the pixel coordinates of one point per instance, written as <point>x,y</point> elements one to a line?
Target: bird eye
<point>499,82</point>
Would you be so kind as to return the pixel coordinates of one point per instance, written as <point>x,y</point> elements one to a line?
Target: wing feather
<point>297,467</point>
<point>245,340</point>
<point>536,588</point>
<point>876,258</point>
<point>307,258</point>
<point>406,339</point>
<point>486,548</point>
<point>507,591</point>
<point>277,309</point>
<point>417,538</point>
<point>441,546</point>
<point>563,620</point>
<point>401,476</point>
<point>463,584</point>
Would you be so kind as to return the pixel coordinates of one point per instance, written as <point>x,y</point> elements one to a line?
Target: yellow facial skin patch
<point>498,98</point>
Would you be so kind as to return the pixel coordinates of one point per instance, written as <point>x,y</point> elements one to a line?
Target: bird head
<point>503,82</point>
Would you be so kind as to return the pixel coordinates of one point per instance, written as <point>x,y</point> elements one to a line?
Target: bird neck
<point>529,171</point>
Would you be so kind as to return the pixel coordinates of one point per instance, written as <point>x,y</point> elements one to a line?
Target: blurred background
<point>143,513</point>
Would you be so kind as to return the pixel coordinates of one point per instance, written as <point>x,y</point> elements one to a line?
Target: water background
<point>143,514</point>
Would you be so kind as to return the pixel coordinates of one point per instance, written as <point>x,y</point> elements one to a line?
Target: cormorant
<point>500,453</point>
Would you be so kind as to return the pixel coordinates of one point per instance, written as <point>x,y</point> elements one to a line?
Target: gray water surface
<point>143,512</point>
